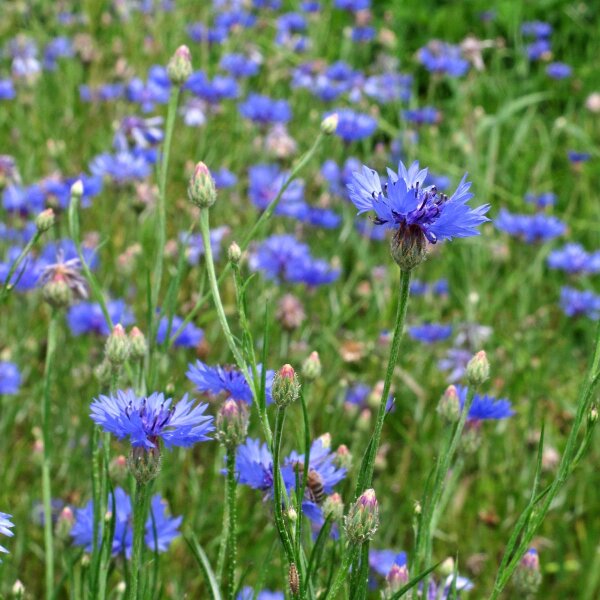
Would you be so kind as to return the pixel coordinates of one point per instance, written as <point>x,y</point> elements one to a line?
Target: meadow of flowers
<point>299,299</point>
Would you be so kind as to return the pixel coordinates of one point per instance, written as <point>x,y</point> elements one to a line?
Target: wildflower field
<point>299,299</point>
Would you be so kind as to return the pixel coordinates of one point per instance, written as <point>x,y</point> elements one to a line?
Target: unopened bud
<point>179,67</point>
<point>64,523</point>
<point>343,457</point>
<point>329,124</point>
<point>45,220</point>
<point>447,567</point>
<point>362,520</point>
<point>286,387</point>
<point>311,368</point>
<point>118,468</point>
<point>325,439</point>
<point>397,578</point>
<point>137,344</point>
<point>18,590</point>
<point>593,416</point>
<point>293,579</point>
<point>144,464</point>
<point>471,438</point>
<point>449,405</point>
<point>77,189</point>
<point>117,346</point>
<point>202,190</point>
<point>57,293</point>
<point>234,253</point>
<point>478,369</point>
<point>527,577</point>
<point>232,423</point>
<point>292,515</point>
<point>333,506</point>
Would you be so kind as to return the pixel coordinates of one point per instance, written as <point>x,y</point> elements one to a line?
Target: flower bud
<point>311,368</point>
<point>290,312</point>
<point>286,386</point>
<point>137,344</point>
<point>478,369</point>
<point>144,464</point>
<point>293,579</point>
<point>397,578</point>
<point>447,567</point>
<point>471,438</point>
<point>57,293</point>
<point>45,220</point>
<point>343,457</point>
<point>118,468</point>
<point>593,416</point>
<point>64,523</point>
<point>18,590</point>
<point>325,439</point>
<point>179,67</point>
<point>333,506</point>
<point>362,520</point>
<point>202,190</point>
<point>117,346</point>
<point>292,515</point>
<point>234,253</point>
<point>329,124</point>
<point>77,189</point>
<point>232,423</point>
<point>449,405</point>
<point>527,576</point>
<point>408,247</point>
<point>103,372</point>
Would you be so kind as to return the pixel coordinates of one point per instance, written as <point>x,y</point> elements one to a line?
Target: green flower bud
<point>45,220</point>
<point>57,293</point>
<point>137,344</point>
<point>18,590</point>
<point>396,579</point>
<point>311,367</point>
<point>286,387</point>
<point>333,506</point>
<point>329,124</point>
<point>362,520</point>
<point>234,253</point>
<point>117,346</point>
<point>144,464</point>
<point>179,67</point>
<point>449,405</point>
<point>408,247</point>
<point>527,576</point>
<point>478,369</point>
<point>232,423</point>
<point>343,457</point>
<point>77,189</point>
<point>202,190</point>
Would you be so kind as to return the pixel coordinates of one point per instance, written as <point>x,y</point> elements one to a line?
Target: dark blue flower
<point>420,116</point>
<point>539,49</point>
<point>405,205</point>
<point>154,91</point>
<point>224,178</point>
<point>381,561</point>
<point>532,228</point>
<point>104,93</point>
<point>7,89</point>
<point>199,33</point>
<point>145,419</point>
<point>353,5</point>
<point>558,70</point>
<point>10,378</point>
<point>339,178</point>
<point>59,47</point>
<point>212,91</point>
<point>23,200</point>
<point>254,465</point>
<point>28,273</point>
<point>537,29</point>
<point>194,246</point>
<point>160,530</point>
<point>572,258</point>
<point>542,200</point>
<point>137,132</point>
<point>485,408</point>
<point>353,125</point>
<point>577,303</point>
<point>577,157</point>
<point>5,528</point>
<point>190,337</point>
<point>429,333</point>
<point>239,65</point>
<point>264,110</point>
<point>455,362</point>
<point>388,87</point>
<point>441,57</point>
<point>121,167</point>
<point>87,317</point>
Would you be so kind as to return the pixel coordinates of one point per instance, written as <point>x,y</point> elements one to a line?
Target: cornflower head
<point>388,87</point>
<point>138,132</point>
<point>264,110</point>
<point>5,528</point>
<point>429,333</point>
<point>444,58</point>
<point>155,90</point>
<point>441,590</point>
<point>160,528</point>
<point>248,593</point>
<point>122,167</point>
<point>484,407</point>
<point>428,115</point>
<point>87,317</point>
<point>558,70</point>
<point>10,378</point>
<point>542,200</point>
<point>7,89</point>
<point>212,91</point>
<point>531,228</point>
<point>382,561</point>
<point>576,303</point>
<point>62,282</point>
<point>417,214</point>
<point>190,337</point>
<point>572,258</point>
<point>352,125</point>
<point>228,381</point>
<point>239,65</point>
<point>254,466</point>
<point>455,362</point>
<point>195,247</point>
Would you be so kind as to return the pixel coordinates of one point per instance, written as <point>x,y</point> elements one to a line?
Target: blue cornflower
<point>87,317</point>
<point>199,33</point>
<point>194,247</point>
<point>248,593</point>
<point>57,192</point>
<point>235,18</point>
<point>558,70</point>
<point>416,212</point>
<point>429,333</point>
<point>537,29</point>
<point>353,125</point>
<point>311,6</point>
<point>577,157</point>
<point>428,115</point>
<point>382,561</point>
<point>542,200</point>
<point>23,200</point>
<point>154,91</point>
<point>104,93</point>
<point>572,258</point>
<point>239,65</point>
<point>265,183</point>
<point>23,52</point>
<point>532,228</point>
<point>358,395</point>
<point>160,530</point>
<point>137,132</point>
<point>421,288</point>
<point>264,110</point>
<point>388,87</point>
<point>5,528</point>
<point>212,91</point>
<point>485,408</point>
<point>441,57</point>
<point>455,362</point>
<point>7,89</point>
<point>353,5</point>
<point>364,33</point>
<point>26,276</point>
<point>442,590</point>
<point>66,249</point>
<point>229,381</point>
<point>59,47</point>
<point>538,49</point>
<point>254,465</point>
<point>224,178</point>
<point>145,419</point>
<point>190,337</point>
<point>577,303</point>
<point>121,167</point>
<point>339,178</point>
<point>10,378</point>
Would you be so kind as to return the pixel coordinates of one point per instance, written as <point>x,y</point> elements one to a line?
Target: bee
<point>314,484</point>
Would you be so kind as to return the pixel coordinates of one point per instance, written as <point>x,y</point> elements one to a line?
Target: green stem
<point>342,574</point>
<point>6,287</point>
<point>232,533</point>
<point>47,461</point>
<point>140,509</point>
<point>368,462</point>
<point>161,213</point>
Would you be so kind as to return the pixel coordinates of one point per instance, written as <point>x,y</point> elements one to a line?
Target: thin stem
<point>368,461</point>
<point>342,573</point>
<point>139,526</point>
<point>232,532</point>
<point>47,461</point>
